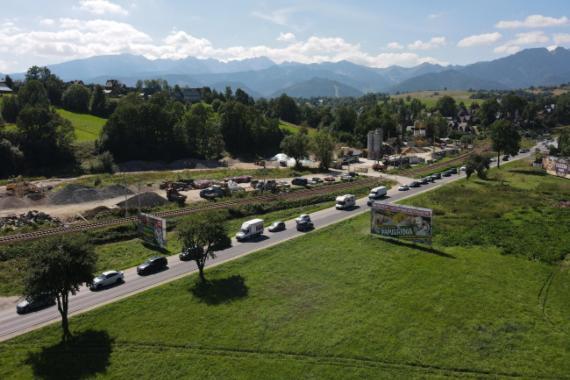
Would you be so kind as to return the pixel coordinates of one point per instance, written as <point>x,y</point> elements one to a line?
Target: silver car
<point>108,278</point>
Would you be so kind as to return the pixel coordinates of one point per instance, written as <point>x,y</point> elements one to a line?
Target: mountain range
<point>261,77</point>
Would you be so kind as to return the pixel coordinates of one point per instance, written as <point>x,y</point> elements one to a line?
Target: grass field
<point>87,127</point>
<point>430,98</point>
<point>341,304</point>
<point>292,128</point>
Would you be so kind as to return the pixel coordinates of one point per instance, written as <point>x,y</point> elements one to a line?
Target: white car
<point>404,188</point>
<point>463,168</point>
<point>110,277</point>
<point>303,218</point>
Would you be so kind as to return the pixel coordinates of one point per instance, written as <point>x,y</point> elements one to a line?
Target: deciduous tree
<point>505,137</point>
<point>57,269</point>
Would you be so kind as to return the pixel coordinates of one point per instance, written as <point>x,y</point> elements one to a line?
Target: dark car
<point>32,304</point>
<point>152,265</point>
<point>212,192</point>
<point>304,223</point>
<point>299,181</point>
<point>453,170</point>
<point>446,173</point>
<point>276,227</point>
<point>189,254</point>
<point>505,158</point>
<point>436,176</point>
<point>415,184</point>
<point>425,181</point>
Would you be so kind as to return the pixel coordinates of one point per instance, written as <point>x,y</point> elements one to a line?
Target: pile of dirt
<point>72,194</point>
<point>143,200</point>
<point>96,212</point>
<point>12,202</point>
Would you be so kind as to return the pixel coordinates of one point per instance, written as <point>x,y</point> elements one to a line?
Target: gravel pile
<point>72,194</point>
<point>143,200</point>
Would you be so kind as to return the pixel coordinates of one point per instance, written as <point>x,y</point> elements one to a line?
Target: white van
<point>250,229</point>
<point>376,193</point>
<point>346,201</point>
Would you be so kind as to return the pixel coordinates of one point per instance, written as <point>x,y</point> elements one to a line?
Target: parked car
<point>346,178</point>
<point>505,158</point>
<point>32,304</point>
<point>446,173</point>
<point>524,150</point>
<point>347,160</point>
<point>403,188</point>
<point>212,192</point>
<point>424,181</point>
<point>304,223</point>
<point>107,278</point>
<point>299,181</point>
<point>463,168</point>
<point>189,254</point>
<point>276,226</point>
<point>436,175</point>
<point>152,265</point>
<point>330,178</point>
<point>453,170</point>
<point>415,184</point>
<point>317,179</point>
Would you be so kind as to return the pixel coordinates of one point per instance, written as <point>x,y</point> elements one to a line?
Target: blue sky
<point>373,33</point>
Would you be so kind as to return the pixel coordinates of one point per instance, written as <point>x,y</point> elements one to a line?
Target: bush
<point>102,163</point>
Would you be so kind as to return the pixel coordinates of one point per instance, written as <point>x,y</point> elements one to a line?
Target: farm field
<point>430,98</point>
<point>339,303</point>
<point>87,127</point>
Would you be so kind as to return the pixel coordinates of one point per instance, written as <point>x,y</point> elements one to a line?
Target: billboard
<point>558,166</point>
<point>152,229</point>
<point>401,222</point>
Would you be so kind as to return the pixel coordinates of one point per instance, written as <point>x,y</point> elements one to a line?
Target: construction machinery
<point>173,195</point>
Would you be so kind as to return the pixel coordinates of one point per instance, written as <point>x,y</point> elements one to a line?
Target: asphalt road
<point>12,324</point>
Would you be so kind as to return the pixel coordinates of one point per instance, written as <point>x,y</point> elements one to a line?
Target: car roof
<point>109,272</point>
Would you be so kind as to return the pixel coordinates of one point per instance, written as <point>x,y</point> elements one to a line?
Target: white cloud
<point>286,37</point>
<point>73,38</point>
<point>532,21</point>
<point>561,38</point>
<point>277,16</point>
<point>434,16</point>
<point>522,39</point>
<point>480,39</point>
<point>433,43</point>
<point>47,22</point>
<point>395,46</point>
<point>101,7</point>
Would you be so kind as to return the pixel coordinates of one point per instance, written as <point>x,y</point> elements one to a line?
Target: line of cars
<point>430,179</point>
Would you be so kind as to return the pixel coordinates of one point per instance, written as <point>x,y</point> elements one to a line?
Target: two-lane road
<point>12,324</point>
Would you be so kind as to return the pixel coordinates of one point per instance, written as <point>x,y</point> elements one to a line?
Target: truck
<point>376,193</point>
<point>250,229</point>
<point>345,202</point>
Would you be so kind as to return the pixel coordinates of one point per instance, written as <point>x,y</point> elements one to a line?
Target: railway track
<point>85,226</point>
<point>438,165</point>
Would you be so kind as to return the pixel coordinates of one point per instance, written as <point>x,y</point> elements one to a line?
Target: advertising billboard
<point>152,229</point>
<point>558,166</point>
<point>402,222</point>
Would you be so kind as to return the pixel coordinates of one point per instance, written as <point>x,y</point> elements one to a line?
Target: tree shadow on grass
<point>528,172</point>
<point>219,291</point>
<point>85,355</point>
<point>419,247</point>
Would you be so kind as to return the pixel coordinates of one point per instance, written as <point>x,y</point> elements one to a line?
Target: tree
<point>57,269</point>
<point>99,104</point>
<point>10,157</point>
<point>564,143</point>
<point>296,146</point>
<point>45,137</point>
<point>488,111</point>
<point>52,84</point>
<point>479,164</point>
<point>505,138</point>
<point>10,109</point>
<point>201,236</point>
<point>9,82</point>
<point>323,147</point>
<point>287,109</point>
<point>34,94</point>
<point>446,106</point>
<point>76,98</point>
